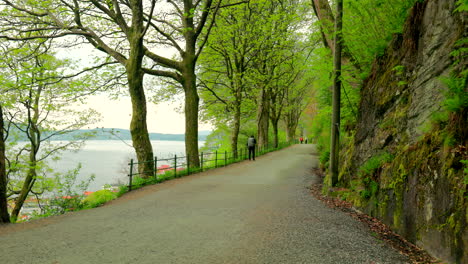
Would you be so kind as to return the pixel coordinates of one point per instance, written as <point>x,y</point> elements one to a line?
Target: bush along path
<point>249,212</point>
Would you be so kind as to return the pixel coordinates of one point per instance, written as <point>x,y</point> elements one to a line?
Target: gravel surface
<point>250,212</point>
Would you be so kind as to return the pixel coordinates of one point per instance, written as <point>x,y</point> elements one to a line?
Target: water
<point>108,160</point>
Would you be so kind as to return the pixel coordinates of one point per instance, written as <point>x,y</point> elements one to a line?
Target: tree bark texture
<point>275,133</point>
<point>325,15</point>
<point>4,216</point>
<point>191,120</point>
<point>236,128</point>
<point>189,84</point>
<point>27,186</point>
<point>138,127</point>
<point>34,136</point>
<point>263,117</point>
<point>335,126</point>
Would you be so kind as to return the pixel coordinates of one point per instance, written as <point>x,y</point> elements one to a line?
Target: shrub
<point>97,198</point>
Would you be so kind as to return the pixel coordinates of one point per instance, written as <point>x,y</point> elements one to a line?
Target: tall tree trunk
<point>27,186</point>
<point>4,216</point>
<point>292,119</point>
<point>290,133</point>
<point>34,136</point>
<point>236,128</point>
<point>191,119</point>
<point>325,15</point>
<point>335,126</point>
<point>274,123</point>
<point>190,87</point>
<point>138,127</point>
<point>263,117</point>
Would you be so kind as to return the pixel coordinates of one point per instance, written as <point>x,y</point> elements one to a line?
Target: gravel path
<point>250,212</point>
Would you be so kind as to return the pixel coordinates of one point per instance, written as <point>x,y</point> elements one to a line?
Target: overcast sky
<point>162,118</point>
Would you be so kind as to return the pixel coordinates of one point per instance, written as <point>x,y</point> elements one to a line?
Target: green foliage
<point>465,170</point>
<point>462,6</point>
<point>367,170</point>
<point>456,94</point>
<point>369,25</point>
<point>67,194</point>
<point>98,198</point>
<point>371,190</point>
<point>374,163</point>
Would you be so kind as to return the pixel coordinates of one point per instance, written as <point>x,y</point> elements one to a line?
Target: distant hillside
<point>123,134</point>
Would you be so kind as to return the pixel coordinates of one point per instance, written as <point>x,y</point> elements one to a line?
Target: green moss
<point>397,218</point>
<point>372,164</point>
<point>383,204</point>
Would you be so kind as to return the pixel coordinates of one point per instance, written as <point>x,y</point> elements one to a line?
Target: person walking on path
<point>251,142</point>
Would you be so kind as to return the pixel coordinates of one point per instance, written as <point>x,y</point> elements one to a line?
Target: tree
<point>126,31</point>
<point>225,65</point>
<point>335,126</point>
<point>4,216</point>
<point>325,15</point>
<point>280,29</point>
<point>291,80</point>
<point>37,92</point>
<point>296,98</point>
<point>243,64</point>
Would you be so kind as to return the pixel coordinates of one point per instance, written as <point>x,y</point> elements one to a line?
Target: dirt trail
<point>250,212</point>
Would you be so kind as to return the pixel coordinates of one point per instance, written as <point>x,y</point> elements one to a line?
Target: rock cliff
<point>405,128</point>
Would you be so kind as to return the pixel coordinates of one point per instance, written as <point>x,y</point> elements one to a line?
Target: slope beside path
<point>250,212</point>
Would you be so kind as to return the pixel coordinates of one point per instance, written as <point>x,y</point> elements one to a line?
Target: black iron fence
<point>178,166</point>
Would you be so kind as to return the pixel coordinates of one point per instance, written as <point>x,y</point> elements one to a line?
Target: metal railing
<point>179,166</point>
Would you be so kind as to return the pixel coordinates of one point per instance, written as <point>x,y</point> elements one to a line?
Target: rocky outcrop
<point>419,189</point>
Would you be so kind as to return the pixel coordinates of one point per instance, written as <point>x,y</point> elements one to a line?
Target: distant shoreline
<point>117,134</point>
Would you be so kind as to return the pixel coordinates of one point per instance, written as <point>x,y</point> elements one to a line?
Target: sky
<point>161,118</point>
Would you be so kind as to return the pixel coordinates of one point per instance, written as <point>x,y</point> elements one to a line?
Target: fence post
<point>216,158</point>
<point>201,161</point>
<point>188,164</point>
<point>225,158</point>
<point>175,166</point>
<point>130,175</point>
<point>156,167</point>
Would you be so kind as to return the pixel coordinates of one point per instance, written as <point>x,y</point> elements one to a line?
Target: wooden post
<point>335,126</point>
<point>216,158</point>
<point>130,175</point>
<point>201,162</point>
<point>175,166</point>
<point>156,167</point>
<point>188,164</point>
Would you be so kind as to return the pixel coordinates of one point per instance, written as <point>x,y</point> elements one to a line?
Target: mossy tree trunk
<point>336,115</point>
<point>189,84</point>
<point>263,117</point>
<point>291,119</point>
<point>34,136</point>
<point>4,216</point>
<point>135,73</point>
<point>236,126</point>
<point>191,116</point>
